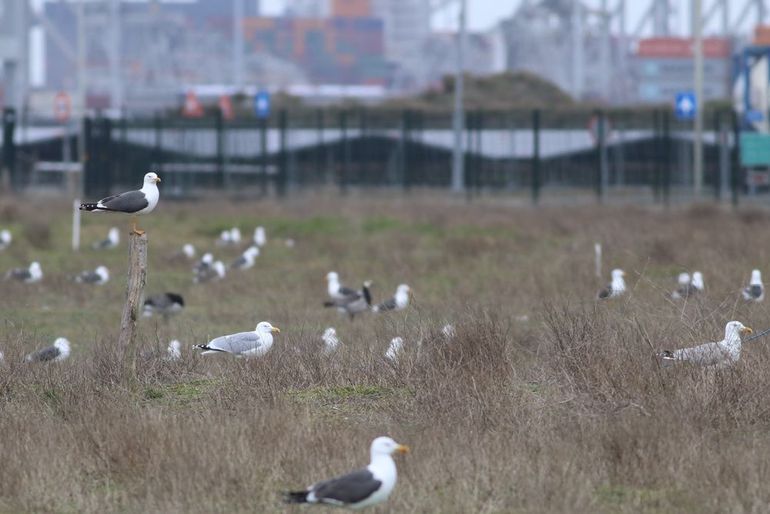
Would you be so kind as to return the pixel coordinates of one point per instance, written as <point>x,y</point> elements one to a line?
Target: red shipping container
<point>713,47</point>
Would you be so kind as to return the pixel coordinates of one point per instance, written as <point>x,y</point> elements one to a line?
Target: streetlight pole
<point>458,119</point>
<point>697,30</point>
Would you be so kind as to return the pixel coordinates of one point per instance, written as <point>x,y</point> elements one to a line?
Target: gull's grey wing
<point>240,261</point>
<point>88,277</point>
<point>236,343</point>
<point>132,201</point>
<point>387,305</point>
<point>755,291</point>
<point>46,354</point>
<point>705,354</point>
<point>346,489</point>
<point>19,274</point>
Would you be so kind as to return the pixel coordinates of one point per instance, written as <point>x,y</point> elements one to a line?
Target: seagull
<point>113,239</point>
<point>224,238</point>
<point>215,271</point>
<point>5,239</point>
<point>721,354</point>
<point>187,252</point>
<point>335,289</point>
<point>756,291</point>
<point>59,351</point>
<point>165,304</point>
<point>235,236</point>
<point>354,303</point>
<point>27,275</point>
<point>330,340</point>
<point>99,276</point>
<point>135,203</point>
<point>396,345</point>
<point>243,344</point>
<point>247,258</point>
<point>399,301</point>
<point>448,331</point>
<point>362,488</point>
<point>260,239</point>
<point>205,263</point>
<point>174,351</point>
<point>615,288</point>
<point>697,282</point>
<point>685,289</point>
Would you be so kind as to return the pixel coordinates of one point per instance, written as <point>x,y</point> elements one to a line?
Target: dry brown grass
<point>565,411</point>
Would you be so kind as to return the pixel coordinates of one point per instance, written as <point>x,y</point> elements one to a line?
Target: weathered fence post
<point>535,167</point>
<point>137,276</point>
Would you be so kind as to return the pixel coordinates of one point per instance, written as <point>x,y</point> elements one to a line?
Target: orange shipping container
<point>351,8</point>
<point>713,47</point>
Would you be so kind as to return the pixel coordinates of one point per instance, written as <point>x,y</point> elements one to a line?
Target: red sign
<point>62,107</point>
<point>192,107</point>
<point>226,107</point>
<point>680,47</point>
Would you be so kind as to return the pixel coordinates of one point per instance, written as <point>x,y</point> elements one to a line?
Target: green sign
<point>755,149</point>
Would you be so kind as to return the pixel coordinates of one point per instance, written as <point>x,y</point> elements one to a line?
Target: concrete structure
<point>407,29</point>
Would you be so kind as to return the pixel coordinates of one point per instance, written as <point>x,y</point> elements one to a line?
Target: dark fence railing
<point>536,152</point>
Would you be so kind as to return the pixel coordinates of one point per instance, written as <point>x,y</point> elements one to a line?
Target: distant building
<point>663,66</point>
<point>484,54</point>
<point>407,30</point>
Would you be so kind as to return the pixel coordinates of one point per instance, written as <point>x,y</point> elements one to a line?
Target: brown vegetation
<point>546,401</point>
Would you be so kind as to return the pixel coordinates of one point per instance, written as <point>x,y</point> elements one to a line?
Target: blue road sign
<point>754,116</point>
<point>262,104</point>
<point>685,105</point>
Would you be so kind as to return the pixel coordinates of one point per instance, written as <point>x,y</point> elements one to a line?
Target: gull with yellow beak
<point>358,489</point>
<point>134,203</point>
<point>722,354</point>
<point>243,344</point>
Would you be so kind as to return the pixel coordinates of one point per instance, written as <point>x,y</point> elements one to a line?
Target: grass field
<point>546,401</point>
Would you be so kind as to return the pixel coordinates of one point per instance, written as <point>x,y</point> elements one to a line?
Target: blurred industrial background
<point>292,92</point>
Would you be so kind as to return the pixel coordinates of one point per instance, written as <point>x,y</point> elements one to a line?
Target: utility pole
<point>116,79</point>
<point>697,33</point>
<point>238,43</point>
<point>458,119</point>
<point>80,114</point>
<point>577,49</point>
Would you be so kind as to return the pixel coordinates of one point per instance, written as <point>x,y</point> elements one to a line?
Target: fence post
<point>283,167</point>
<point>735,169</point>
<point>137,276</point>
<point>9,149</point>
<point>536,156</point>
<point>601,157</point>
<point>666,158</point>
<point>344,151</point>
<point>222,179</point>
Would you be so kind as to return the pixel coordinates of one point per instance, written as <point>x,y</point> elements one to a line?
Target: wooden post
<point>137,275</point>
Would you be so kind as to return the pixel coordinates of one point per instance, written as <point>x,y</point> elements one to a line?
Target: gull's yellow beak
<point>157,179</point>
<point>275,330</point>
<point>402,448</point>
<point>747,330</point>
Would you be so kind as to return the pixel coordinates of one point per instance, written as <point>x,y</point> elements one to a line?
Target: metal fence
<point>535,152</point>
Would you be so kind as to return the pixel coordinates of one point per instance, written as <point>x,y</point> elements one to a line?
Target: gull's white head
<point>151,179</point>
<point>35,270</point>
<point>63,345</point>
<point>235,235</point>
<point>385,446</point>
<point>207,258</point>
<point>756,278</point>
<point>402,295</point>
<point>253,251</point>
<point>103,272</point>
<point>684,279</point>
<point>114,235</point>
<point>188,250</point>
<point>219,268</point>
<point>697,281</point>
<point>266,330</point>
<point>735,329</point>
<point>332,276</point>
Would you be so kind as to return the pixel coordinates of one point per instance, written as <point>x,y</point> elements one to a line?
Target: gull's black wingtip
<point>295,497</point>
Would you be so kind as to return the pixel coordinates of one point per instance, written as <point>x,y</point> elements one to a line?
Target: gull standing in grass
<point>174,351</point>
<point>722,354</point>
<point>165,304</point>
<point>27,275</point>
<point>112,241</point>
<point>135,203</point>
<point>260,238</point>
<point>243,344</point>
<point>756,290</point>
<point>355,302</point>
<point>5,239</point>
<point>247,259</point>
<point>99,276</point>
<point>335,289</point>
<point>224,238</point>
<point>399,301</point>
<point>59,351</point>
<point>330,340</point>
<point>358,489</point>
<point>216,271</point>
<point>684,289</point>
<point>615,288</point>
<point>204,264</point>
<point>697,282</point>
<point>395,348</point>
<point>235,236</point>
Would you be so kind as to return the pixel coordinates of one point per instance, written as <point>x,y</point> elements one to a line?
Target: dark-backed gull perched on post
<point>164,304</point>
<point>27,275</point>
<point>134,203</point>
<point>243,344</point>
<point>59,351</point>
<point>756,290</point>
<point>399,301</point>
<point>721,354</point>
<point>615,288</point>
<point>99,276</point>
<point>5,238</point>
<point>113,240</point>
<point>362,488</point>
<point>354,303</point>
